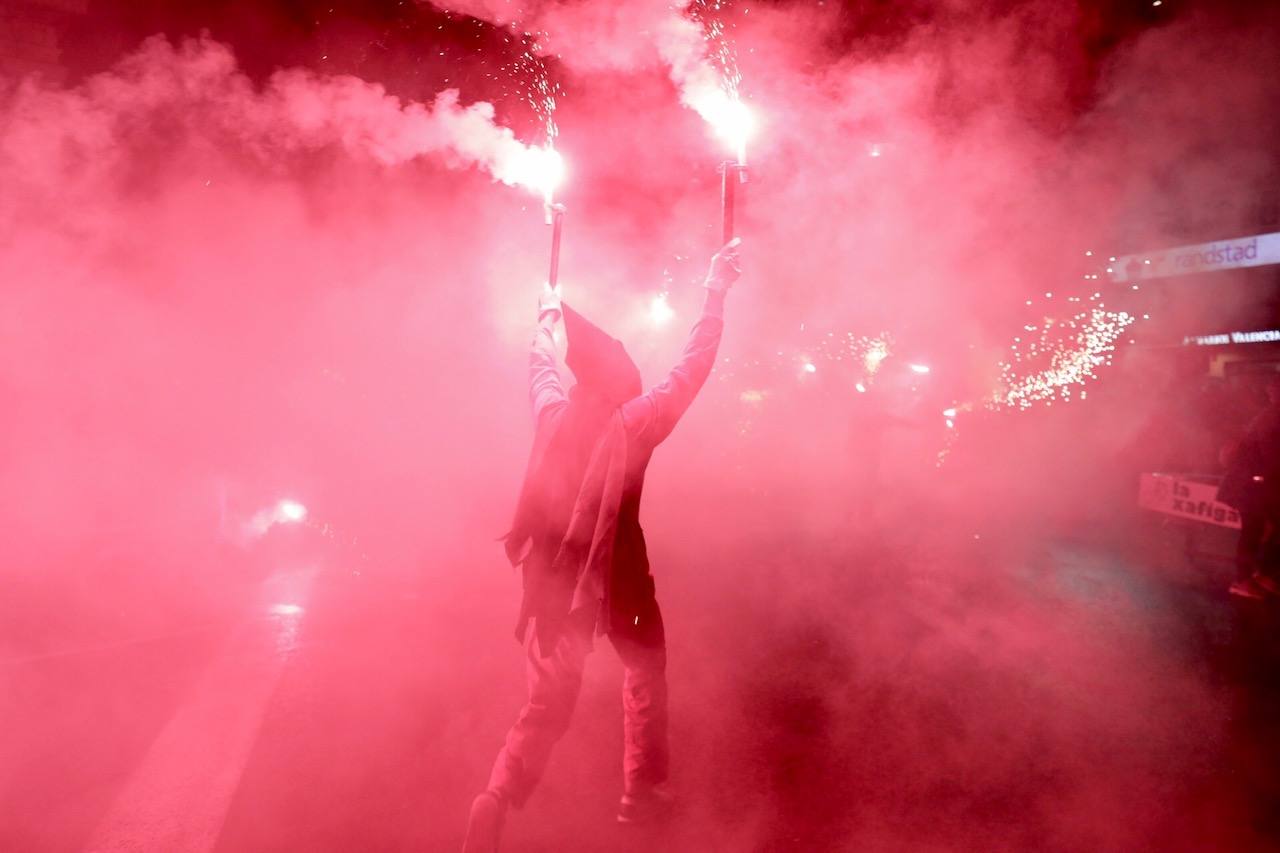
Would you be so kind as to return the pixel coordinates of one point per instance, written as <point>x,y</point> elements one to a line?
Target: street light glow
<point>290,512</point>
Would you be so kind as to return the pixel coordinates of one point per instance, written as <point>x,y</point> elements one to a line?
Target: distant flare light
<point>660,311</point>
<point>283,512</point>
<point>877,351</point>
<point>919,368</point>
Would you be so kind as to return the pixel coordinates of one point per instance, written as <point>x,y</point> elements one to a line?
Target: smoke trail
<point>704,68</point>
<point>197,86</point>
<point>688,38</point>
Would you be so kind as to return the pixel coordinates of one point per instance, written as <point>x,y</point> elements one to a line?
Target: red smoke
<point>219,289</point>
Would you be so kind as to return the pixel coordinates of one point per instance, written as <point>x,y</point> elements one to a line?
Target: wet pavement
<point>967,694</point>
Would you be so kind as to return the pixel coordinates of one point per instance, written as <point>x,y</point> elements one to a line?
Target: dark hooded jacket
<point>576,532</point>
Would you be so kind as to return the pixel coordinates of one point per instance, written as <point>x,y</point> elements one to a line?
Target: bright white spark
<point>1075,348</point>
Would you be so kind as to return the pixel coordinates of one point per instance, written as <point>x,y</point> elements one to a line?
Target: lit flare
<point>537,169</point>
<point>730,119</point>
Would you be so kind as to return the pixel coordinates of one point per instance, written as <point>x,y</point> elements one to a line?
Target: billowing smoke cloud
<point>223,292</point>
<point>198,89</point>
<point>179,241</point>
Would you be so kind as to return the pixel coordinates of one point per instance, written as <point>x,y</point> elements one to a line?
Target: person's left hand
<point>549,300</point>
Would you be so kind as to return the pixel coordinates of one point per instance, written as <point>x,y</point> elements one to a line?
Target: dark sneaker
<point>485,824</point>
<point>1265,583</point>
<point>1247,589</point>
<point>652,806</point>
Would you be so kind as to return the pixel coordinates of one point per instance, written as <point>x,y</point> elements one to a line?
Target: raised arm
<point>651,416</point>
<point>546,393</point>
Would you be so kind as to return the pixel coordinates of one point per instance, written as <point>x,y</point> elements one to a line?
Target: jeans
<point>555,679</point>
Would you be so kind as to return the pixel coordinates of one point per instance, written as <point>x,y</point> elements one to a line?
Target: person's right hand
<point>725,266</point>
<point>549,300</point>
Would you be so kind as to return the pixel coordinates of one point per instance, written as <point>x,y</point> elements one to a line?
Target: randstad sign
<point>1253,251</point>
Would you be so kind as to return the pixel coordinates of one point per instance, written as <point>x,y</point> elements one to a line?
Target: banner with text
<point>1189,499</point>
<point>1255,251</point>
<point>1258,336</point>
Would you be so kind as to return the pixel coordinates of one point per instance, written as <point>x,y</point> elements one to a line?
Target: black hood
<point>599,362</point>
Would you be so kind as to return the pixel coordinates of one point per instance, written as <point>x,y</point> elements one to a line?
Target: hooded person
<point>576,537</point>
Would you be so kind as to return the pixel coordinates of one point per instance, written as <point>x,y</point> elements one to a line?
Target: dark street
<point>1043,698</point>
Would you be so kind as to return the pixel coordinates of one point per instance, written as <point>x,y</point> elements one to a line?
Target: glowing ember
<point>529,71</point>
<point>1073,350</point>
<point>877,350</point>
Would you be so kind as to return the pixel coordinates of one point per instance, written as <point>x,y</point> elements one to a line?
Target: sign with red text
<point>1258,250</point>
<point>1188,499</point>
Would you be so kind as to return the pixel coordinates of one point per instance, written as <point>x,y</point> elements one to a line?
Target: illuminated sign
<point>1256,251</point>
<point>1262,336</point>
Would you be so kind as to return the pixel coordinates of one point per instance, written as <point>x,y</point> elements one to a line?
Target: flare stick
<point>733,174</point>
<point>555,218</point>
